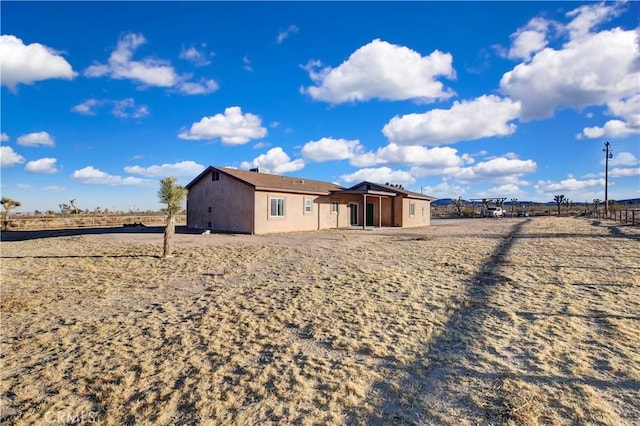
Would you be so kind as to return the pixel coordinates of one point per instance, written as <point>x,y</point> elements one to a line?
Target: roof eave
<point>293,191</point>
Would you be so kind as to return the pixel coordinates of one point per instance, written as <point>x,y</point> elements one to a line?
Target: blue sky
<point>100,100</point>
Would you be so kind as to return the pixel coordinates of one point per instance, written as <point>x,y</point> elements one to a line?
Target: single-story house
<point>230,200</point>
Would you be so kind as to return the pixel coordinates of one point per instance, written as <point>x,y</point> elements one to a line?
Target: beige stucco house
<point>229,200</point>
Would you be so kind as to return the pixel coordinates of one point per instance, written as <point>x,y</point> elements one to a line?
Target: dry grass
<point>518,322</point>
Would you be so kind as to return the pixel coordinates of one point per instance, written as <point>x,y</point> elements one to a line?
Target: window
<point>412,208</point>
<point>209,209</point>
<point>334,207</point>
<point>215,175</point>
<point>276,207</point>
<point>308,205</point>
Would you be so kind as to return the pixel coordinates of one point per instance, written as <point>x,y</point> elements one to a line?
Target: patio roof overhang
<point>367,192</point>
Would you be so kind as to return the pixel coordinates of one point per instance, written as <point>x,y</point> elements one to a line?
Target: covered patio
<point>377,206</point>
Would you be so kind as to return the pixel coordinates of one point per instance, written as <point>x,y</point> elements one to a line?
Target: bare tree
<point>8,205</point>
<point>172,195</point>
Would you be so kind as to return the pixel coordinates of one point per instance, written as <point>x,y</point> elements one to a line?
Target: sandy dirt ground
<point>466,322</point>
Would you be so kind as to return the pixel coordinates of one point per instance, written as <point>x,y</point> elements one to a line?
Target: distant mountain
<point>635,201</point>
<point>443,202</point>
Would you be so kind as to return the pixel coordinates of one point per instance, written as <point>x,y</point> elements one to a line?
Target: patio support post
<point>379,212</point>
<point>364,212</point>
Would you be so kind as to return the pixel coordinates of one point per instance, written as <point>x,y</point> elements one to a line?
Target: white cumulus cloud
<point>180,169</point>
<point>624,172</point>
<point>328,149</point>
<point>44,165</point>
<point>274,161</point>
<point>379,175</point>
<point>4,137</point>
<point>573,76</point>
<point>9,158</point>
<point>385,71</point>
<point>529,40</point>
<point>233,127</point>
<point>500,170</point>
<point>431,159</point>
<point>36,139</point>
<point>622,159</point>
<point>628,122</point>
<point>587,17</point>
<point>20,63</point>
<point>148,71</point>
<point>567,185</point>
<point>445,190</point>
<point>482,117</point>
<point>91,175</point>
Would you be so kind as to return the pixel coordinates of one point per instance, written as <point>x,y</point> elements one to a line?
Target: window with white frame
<point>412,208</point>
<point>334,207</point>
<point>308,205</point>
<point>276,207</point>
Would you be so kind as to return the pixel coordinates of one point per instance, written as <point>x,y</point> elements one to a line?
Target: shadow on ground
<point>617,230</point>
<point>422,392</point>
<point>50,233</point>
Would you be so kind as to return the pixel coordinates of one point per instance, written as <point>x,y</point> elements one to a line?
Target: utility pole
<point>607,155</point>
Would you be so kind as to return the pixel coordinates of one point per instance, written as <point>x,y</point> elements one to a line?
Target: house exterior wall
<point>422,209</point>
<point>329,219</point>
<point>398,218</point>
<point>230,200</point>
<point>295,217</point>
<point>387,211</point>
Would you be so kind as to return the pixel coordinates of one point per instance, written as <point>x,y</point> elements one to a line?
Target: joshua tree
<point>8,205</point>
<point>74,208</point>
<point>64,208</point>
<point>172,195</point>
<point>458,204</point>
<point>596,204</point>
<point>558,199</point>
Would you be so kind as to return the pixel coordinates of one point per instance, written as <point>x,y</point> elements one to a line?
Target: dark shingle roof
<point>275,182</point>
<point>394,189</point>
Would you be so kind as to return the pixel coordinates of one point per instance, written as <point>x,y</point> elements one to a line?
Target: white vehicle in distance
<point>493,212</point>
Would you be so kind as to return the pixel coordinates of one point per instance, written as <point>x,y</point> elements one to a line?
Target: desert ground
<point>467,322</point>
